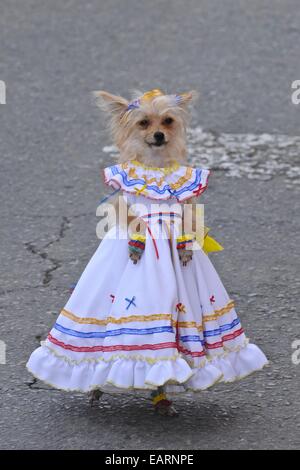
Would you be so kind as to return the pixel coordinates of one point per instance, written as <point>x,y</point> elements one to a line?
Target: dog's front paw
<point>185,256</point>
<point>135,257</point>
<point>184,247</point>
<point>136,247</point>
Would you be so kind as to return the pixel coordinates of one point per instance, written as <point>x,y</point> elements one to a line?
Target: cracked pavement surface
<point>242,57</point>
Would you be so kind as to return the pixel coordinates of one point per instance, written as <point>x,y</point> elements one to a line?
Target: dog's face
<point>151,129</point>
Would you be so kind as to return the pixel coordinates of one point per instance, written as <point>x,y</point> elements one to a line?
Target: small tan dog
<point>150,129</point>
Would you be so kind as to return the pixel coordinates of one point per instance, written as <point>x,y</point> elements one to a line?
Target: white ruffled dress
<point>139,326</point>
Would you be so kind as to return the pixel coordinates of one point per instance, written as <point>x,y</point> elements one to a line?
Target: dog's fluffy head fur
<point>150,129</point>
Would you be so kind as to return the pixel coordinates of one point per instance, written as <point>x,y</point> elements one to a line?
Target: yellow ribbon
<point>209,244</point>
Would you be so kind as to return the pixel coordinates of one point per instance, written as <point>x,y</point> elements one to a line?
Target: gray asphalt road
<point>242,56</point>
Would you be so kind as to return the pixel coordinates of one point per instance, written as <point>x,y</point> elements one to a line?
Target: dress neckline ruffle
<point>178,181</point>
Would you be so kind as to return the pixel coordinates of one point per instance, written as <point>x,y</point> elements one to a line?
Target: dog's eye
<point>144,123</point>
<point>167,121</point>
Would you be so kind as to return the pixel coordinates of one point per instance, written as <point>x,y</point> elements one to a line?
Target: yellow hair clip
<point>149,95</point>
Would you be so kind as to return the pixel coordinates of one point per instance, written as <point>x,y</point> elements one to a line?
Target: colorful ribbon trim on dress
<point>124,347</point>
<point>153,317</point>
<point>116,347</point>
<point>218,344</point>
<point>106,321</point>
<point>161,214</point>
<point>146,331</point>
<point>225,338</point>
<point>121,331</point>
<point>207,334</point>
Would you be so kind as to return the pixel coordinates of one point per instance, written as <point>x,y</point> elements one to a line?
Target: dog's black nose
<point>159,136</point>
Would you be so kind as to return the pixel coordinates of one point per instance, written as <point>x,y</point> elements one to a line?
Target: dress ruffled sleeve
<point>112,177</point>
<point>196,185</point>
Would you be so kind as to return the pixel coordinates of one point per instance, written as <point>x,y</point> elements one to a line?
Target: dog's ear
<point>116,105</point>
<point>188,97</point>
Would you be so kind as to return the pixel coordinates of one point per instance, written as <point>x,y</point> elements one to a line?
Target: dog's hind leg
<point>94,396</point>
<point>162,405</point>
